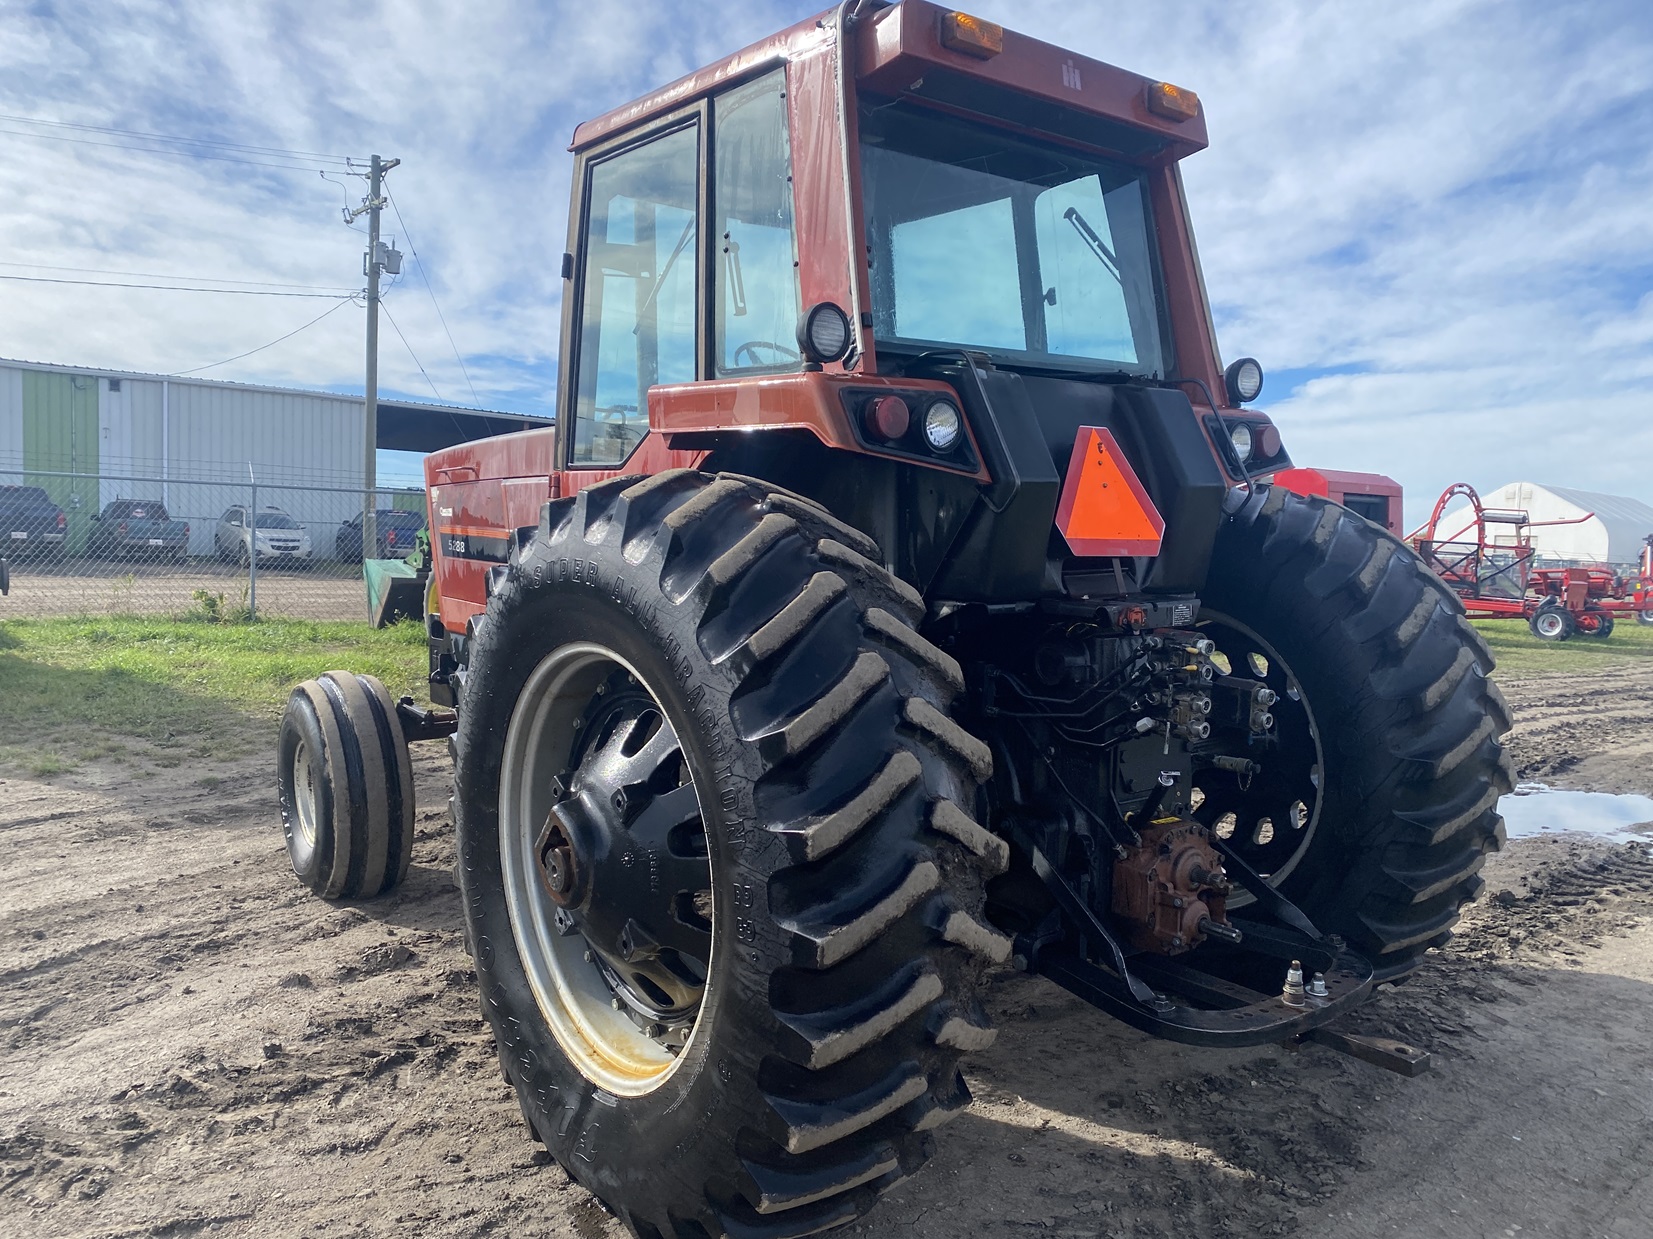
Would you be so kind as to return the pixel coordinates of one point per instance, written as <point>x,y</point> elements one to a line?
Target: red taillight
<point>62,520</point>
<point>390,538</point>
<point>123,529</point>
<point>186,531</point>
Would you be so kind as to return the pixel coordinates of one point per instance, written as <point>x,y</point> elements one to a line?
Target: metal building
<point>89,436</point>
<point>1568,526</point>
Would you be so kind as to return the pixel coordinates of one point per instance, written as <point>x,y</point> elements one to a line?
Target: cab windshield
<point>1034,254</point>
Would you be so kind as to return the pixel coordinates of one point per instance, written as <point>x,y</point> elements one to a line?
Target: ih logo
<point>1070,76</point>
<point>1104,508</point>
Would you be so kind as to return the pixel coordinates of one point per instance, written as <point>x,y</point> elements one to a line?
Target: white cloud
<point>1444,201</point>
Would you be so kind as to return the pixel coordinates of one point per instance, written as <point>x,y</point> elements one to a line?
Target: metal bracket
<point>1385,1052</point>
<point>419,723</point>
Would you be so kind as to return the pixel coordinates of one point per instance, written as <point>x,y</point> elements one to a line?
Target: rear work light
<point>1172,102</point>
<point>971,35</point>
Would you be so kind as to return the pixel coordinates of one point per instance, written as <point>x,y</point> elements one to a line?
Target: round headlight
<point>824,333</point>
<point>942,423</point>
<point>1240,437</point>
<point>1244,380</point>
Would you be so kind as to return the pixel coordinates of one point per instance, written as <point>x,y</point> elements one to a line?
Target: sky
<point>1432,222</point>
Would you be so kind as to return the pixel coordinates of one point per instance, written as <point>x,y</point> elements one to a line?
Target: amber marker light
<point>1172,102</point>
<point>971,35</point>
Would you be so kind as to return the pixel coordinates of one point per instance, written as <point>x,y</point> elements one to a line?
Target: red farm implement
<point>1497,577</point>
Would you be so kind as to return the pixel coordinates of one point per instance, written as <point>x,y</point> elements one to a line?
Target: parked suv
<point>30,523</point>
<point>278,535</point>
<point>398,535</point>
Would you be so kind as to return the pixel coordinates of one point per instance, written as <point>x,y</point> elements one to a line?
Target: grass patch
<point>1519,653</point>
<point>188,688</point>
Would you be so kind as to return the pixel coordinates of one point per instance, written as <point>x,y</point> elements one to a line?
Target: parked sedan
<point>277,535</point>
<point>30,523</point>
<point>398,535</point>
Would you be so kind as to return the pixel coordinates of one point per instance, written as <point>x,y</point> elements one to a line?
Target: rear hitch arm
<point>425,723</point>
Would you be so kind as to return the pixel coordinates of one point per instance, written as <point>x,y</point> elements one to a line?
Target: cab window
<point>638,312</point>
<point>756,252</point>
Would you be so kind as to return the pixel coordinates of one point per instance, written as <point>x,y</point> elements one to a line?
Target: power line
<point>411,353</point>
<point>169,275</point>
<point>424,276</point>
<point>155,150</point>
<point>168,137</point>
<point>214,365</point>
<point>176,288</point>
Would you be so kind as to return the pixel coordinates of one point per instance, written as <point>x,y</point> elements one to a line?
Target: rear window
<point>24,494</point>
<point>138,510</point>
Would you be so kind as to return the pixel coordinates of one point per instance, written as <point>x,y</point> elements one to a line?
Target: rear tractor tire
<point>346,787</point>
<point>1375,807</point>
<point>716,856</point>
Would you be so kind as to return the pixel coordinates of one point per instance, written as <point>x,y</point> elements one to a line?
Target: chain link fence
<point>139,544</point>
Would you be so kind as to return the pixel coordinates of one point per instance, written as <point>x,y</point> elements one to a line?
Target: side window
<point>637,322</point>
<point>756,274</point>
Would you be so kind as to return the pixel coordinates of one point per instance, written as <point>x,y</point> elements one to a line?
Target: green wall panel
<point>60,435</point>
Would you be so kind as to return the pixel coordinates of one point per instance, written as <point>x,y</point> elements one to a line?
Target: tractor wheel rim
<point>606,877</point>
<point>304,793</point>
<point>1276,816</point>
<point>1549,624</point>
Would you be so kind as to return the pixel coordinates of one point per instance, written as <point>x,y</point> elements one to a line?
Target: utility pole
<point>378,259</point>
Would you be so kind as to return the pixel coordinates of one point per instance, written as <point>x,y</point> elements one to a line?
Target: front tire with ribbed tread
<point>346,787</point>
<point>847,873</point>
<point>1411,724</point>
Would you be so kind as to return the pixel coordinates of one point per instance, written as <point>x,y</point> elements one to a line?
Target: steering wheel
<point>751,347</point>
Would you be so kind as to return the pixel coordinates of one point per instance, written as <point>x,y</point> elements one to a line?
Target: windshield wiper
<point>1104,255</point>
<point>660,280</point>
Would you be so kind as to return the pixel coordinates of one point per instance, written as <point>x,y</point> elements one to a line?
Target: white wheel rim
<point>304,794</point>
<point>605,1044</point>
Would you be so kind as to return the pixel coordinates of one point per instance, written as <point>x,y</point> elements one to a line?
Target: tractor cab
<point>907,235</point>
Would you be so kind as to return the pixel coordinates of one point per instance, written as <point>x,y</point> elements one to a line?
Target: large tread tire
<point>848,876</point>
<point>1412,727</point>
<point>342,750</point>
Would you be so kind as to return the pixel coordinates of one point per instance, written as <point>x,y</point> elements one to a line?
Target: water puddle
<point>1537,809</point>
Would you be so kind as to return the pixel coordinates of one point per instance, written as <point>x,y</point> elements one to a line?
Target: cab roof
<point>1030,84</point>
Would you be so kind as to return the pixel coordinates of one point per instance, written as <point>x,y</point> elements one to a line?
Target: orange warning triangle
<point>1104,508</point>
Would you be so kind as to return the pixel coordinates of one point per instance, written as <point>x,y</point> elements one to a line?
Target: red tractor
<point>899,597</point>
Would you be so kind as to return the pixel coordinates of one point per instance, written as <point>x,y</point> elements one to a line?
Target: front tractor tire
<point>1384,687</point>
<point>346,787</point>
<point>719,872</point>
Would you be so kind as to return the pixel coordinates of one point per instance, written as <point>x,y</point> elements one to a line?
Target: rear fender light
<point>894,424</point>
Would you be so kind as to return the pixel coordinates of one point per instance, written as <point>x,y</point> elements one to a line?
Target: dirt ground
<point>323,590</point>
<point>190,1043</point>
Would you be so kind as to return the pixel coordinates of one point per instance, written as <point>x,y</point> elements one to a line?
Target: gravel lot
<point>191,1043</point>
<point>323,591</point>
